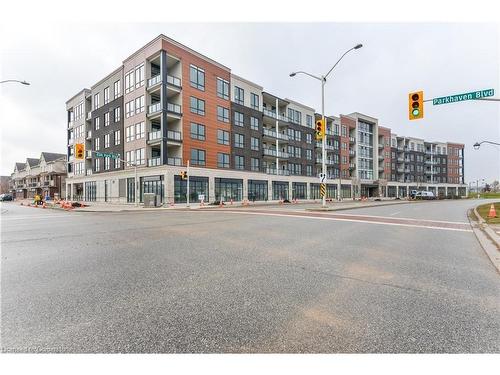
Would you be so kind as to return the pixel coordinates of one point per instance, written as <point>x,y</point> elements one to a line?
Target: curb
<point>489,245</point>
<point>486,228</point>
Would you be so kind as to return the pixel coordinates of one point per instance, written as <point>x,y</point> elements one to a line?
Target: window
<point>97,123</point>
<point>139,130</point>
<point>117,89</point>
<point>197,106</point>
<point>139,156</point>
<point>129,133</point>
<point>294,116</point>
<point>106,95</point>
<point>139,104</point>
<point>238,118</point>
<point>96,101</point>
<point>308,154</point>
<point>197,157</point>
<point>222,160</point>
<point>97,144</point>
<point>117,163</point>
<point>106,119</point>
<point>254,101</point>
<point>239,95</point>
<point>106,163</point>
<point>222,88</point>
<point>222,114</point>
<point>254,123</point>
<point>117,137</point>
<point>129,109</point>
<point>254,164</point>
<point>97,165</point>
<point>106,141</point>
<point>344,131</point>
<point>130,157</point>
<point>239,140</point>
<point>197,131</point>
<point>298,135</point>
<point>309,138</point>
<point>239,162</point>
<point>197,77</point>
<point>222,137</point>
<point>254,143</point>
<point>309,121</point>
<point>309,170</point>
<point>139,76</point>
<point>117,114</point>
<point>129,82</point>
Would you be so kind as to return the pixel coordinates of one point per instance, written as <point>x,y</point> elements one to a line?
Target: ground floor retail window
<point>346,191</point>
<point>299,190</point>
<point>90,191</point>
<point>77,192</point>
<point>257,190</point>
<point>130,190</point>
<point>391,191</point>
<point>314,191</point>
<point>152,184</point>
<point>280,190</point>
<point>228,188</point>
<point>331,191</point>
<point>197,186</point>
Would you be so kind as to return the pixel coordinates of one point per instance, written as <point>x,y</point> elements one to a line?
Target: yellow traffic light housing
<point>320,129</point>
<point>79,151</point>
<point>416,105</point>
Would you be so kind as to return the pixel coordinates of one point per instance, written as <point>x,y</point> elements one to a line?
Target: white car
<point>425,195</point>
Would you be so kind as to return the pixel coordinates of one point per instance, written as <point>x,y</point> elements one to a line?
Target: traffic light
<point>320,129</point>
<point>416,105</point>
<point>79,151</point>
<point>184,175</point>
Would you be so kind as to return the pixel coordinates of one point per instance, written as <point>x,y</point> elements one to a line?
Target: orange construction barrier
<point>493,212</point>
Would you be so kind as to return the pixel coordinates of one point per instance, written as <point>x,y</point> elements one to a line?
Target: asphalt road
<point>405,278</point>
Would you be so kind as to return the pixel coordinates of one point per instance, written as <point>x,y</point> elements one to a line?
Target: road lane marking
<point>395,213</point>
<point>6,218</point>
<point>405,218</point>
<point>336,218</point>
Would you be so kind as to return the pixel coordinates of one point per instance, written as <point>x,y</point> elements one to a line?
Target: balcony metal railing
<point>327,161</point>
<point>89,172</point>
<point>352,165</point>
<point>174,135</point>
<point>282,172</point>
<point>352,152</point>
<point>89,116</point>
<point>70,124</point>
<point>154,162</point>
<point>272,114</point>
<point>273,134</point>
<point>89,134</point>
<point>174,161</point>
<point>352,140</point>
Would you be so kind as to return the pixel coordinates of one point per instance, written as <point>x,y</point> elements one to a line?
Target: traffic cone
<point>493,212</point>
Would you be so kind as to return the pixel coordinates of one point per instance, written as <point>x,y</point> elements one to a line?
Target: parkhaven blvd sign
<point>106,155</point>
<point>461,97</point>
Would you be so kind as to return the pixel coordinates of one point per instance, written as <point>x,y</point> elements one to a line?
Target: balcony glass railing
<point>174,81</point>
<point>174,135</point>
<point>174,161</point>
<point>175,108</point>
<point>155,135</point>
<point>89,134</point>
<point>154,108</point>
<point>154,80</point>
<point>153,162</point>
<point>282,172</point>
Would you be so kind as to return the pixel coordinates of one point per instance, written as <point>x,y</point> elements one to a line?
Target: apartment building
<point>43,176</point>
<point>168,105</point>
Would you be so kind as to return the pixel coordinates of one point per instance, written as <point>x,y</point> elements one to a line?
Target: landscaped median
<point>487,237</point>
<point>484,210</point>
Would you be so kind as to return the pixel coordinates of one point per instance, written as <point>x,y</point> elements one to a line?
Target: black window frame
<point>196,110</point>
<point>196,135</point>
<point>225,141</point>
<point>199,72</point>
<point>196,160</point>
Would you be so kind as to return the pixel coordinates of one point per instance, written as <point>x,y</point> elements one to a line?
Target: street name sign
<point>106,155</point>
<point>461,97</point>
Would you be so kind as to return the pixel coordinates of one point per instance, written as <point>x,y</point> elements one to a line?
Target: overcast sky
<point>441,59</point>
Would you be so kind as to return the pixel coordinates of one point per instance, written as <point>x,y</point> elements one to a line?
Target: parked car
<point>425,195</point>
<point>5,197</point>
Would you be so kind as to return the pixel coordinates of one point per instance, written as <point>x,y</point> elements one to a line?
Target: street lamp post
<point>322,78</point>
<point>15,80</point>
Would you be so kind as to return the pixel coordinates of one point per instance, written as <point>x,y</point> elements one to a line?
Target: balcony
<point>154,108</point>
<point>352,152</point>
<point>174,81</point>
<point>272,134</point>
<point>400,160</point>
<point>174,135</point>
<point>89,172</point>
<point>273,115</point>
<point>71,141</point>
<point>352,140</point>
<point>380,145</point>
<point>352,166</point>
<point>88,154</point>
<point>174,108</point>
<point>155,136</point>
<point>154,81</point>
<point>174,161</point>
<point>277,153</point>
<point>280,172</point>
<point>327,161</point>
<point>70,124</point>
<point>380,157</point>
<point>89,116</point>
<point>89,134</point>
<point>401,170</point>
<point>154,162</point>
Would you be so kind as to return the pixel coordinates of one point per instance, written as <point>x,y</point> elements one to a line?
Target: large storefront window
<point>280,190</point>
<point>90,191</point>
<point>314,191</point>
<point>197,186</point>
<point>152,184</point>
<point>346,191</point>
<point>257,190</point>
<point>299,190</point>
<point>228,188</point>
<point>331,191</point>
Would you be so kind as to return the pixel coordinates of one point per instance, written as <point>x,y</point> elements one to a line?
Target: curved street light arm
<point>308,74</point>
<point>341,57</point>
<point>478,144</point>
<point>15,80</point>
